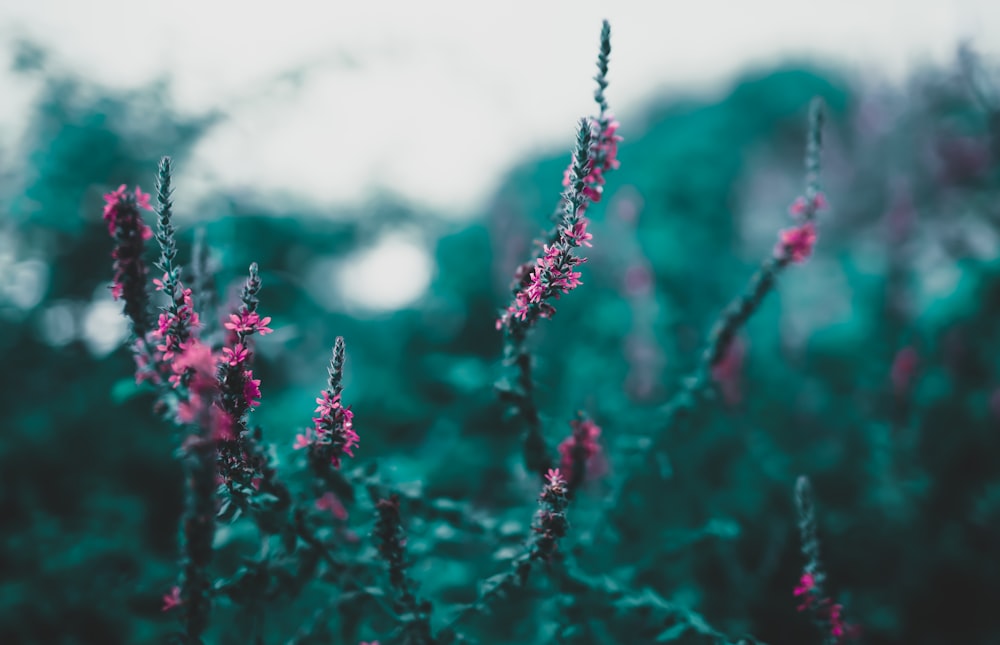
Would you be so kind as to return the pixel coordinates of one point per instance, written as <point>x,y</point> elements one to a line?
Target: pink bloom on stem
<point>582,440</point>
<point>330,502</point>
<point>554,478</point>
<point>796,243</point>
<point>172,599</point>
<point>579,236</point>
<point>251,389</point>
<point>247,322</point>
<point>236,355</point>
<point>799,207</point>
<point>727,372</point>
<point>303,440</point>
<point>224,428</point>
<point>806,584</point>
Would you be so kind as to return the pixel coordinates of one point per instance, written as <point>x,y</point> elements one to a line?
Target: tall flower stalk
<point>828,615</point>
<point>552,272</point>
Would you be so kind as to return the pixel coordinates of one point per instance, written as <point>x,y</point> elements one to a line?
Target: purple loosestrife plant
<point>828,615</point>
<point>414,614</point>
<point>549,527</point>
<point>207,384</point>
<point>794,246</point>
<point>125,225</point>
<point>553,271</point>
<point>332,435</point>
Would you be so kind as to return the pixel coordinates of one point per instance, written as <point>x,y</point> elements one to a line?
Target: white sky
<point>432,100</point>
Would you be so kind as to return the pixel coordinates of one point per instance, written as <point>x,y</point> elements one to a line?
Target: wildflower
<point>247,322</point>
<point>796,244</point>
<point>550,521</point>
<point>121,212</point>
<point>581,455</point>
<point>172,599</point>
<point>801,207</point>
<point>332,435</point>
<point>806,586</point>
<point>332,503</point>
<point>251,389</point>
<point>236,355</point>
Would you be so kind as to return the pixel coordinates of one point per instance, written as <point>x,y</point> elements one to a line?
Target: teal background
<point>907,487</point>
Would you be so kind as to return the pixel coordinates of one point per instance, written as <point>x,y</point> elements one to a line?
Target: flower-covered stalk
<point>795,245</point>
<point>550,521</point>
<point>581,456</point>
<point>125,225</point>
<point>178,321</point>
<point>549,527</point>
<point>828,615</point>
<point>199,412</point>
<point>332,435</point>
<point>391,543</point>
<point>242,462</point>
<point>552,272</point>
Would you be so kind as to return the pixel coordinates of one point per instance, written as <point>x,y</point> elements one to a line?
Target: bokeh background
<point>388,167</point>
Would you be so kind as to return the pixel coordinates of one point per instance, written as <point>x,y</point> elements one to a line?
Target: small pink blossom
<point>332,503</point>
<point>247,322</point>
<point>236,355</point>
<point>582,443</point>
<point>796,243</point>
<point>251,389</point>
<point>807,583</point>
<point>172,599</point>
<point>555,478</point>
<point>303,440</point>
<point>799,207</point>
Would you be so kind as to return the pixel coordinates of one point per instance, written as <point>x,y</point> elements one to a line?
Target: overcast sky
<point>433,100</point>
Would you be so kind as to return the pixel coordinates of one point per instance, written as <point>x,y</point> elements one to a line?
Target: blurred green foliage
<point>907,482</point>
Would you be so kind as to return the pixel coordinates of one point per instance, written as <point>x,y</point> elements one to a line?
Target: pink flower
<point>236,355</point>
<point>224,427</point>
<point>330,502</point>
<point>582,443</point>
<point>303,440</point>
<point>247,322</point>
<point>807,583</point>
<point>799,207</point>
<point>554,478</point>
<point>251,389</point>
<point>579,236</point>
<point>796,243</point>
<point>172,599</point>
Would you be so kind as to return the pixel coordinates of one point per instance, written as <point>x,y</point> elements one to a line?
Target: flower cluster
<point>553,273</point>
<point>581,457</point>
<point>125,225</point>
<point>175,324</point>
<point>832,613</point>
<point>550,522</point>
<point>332,435</point>
<point>604,158</point>
<point>796,244</point>
<point>240,390</point>
<point>827,614</point>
